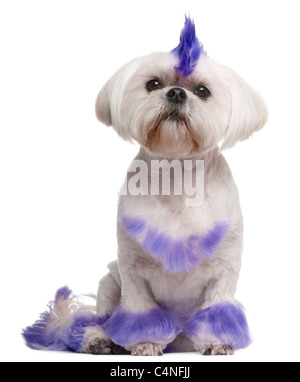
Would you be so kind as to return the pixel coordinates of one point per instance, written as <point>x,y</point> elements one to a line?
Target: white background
<point>60,169</point>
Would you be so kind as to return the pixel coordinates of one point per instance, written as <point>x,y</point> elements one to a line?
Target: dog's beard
<point>170,133</point>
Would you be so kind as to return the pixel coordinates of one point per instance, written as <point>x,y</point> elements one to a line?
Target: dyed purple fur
<point>224,321</point>
<point>125,328</point>
<point>38,336</point>
<point>213,238</point>
<point>177,255</point>
<point>133,226</point>
<point>73,336</point>
<point>156,243</point>
<point>189,49</point>
<point>65,293</point>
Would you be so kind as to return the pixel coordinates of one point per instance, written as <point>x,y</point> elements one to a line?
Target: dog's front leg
<point>138,324</point>
<point>219,327</point>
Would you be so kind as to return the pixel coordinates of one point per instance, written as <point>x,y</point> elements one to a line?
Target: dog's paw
<point>147,349</point>
<point>217,350</point>
<point>98,346</point>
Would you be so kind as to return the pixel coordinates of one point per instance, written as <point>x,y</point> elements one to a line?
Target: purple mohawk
<point>189,49</point>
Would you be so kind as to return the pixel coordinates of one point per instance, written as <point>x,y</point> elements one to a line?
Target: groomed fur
<point>62,327</point>
<point>175,279</point>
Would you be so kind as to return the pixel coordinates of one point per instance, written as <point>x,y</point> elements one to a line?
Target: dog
<point>172,287</point>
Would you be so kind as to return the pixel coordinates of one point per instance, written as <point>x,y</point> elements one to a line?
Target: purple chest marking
<point>178,255</point>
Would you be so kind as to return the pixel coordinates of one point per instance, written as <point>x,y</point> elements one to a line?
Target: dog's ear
<point>108,103</point>
<point>248,111</point>
<point>103,109</point>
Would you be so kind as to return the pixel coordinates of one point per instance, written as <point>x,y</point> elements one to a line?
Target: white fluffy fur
<point>232,113</point>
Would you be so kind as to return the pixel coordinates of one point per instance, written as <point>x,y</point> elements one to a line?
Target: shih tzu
<point>173,285</point>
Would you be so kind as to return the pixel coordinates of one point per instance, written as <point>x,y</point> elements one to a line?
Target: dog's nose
<point>176,95</point>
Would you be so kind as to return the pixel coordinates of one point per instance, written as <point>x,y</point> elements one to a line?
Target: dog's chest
<point>173,237</point>
<point>180,237</point>
<point>179,294</point>
<point>170,214</point>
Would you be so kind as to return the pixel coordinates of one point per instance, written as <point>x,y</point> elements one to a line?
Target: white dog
<point>179,259</point>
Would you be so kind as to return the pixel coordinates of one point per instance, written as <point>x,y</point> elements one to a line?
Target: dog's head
<point>181,102</point>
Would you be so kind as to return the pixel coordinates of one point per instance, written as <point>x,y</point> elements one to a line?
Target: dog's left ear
<point>248,111</point>
<point>102,106</point>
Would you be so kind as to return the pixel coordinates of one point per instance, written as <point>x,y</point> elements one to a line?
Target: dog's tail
<point>63,326</point>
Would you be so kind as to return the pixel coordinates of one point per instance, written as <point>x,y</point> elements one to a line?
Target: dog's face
<point>176,113</point>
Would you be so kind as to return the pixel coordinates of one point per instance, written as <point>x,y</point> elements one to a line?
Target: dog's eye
<point>202,92</point>
<point>153,85</point>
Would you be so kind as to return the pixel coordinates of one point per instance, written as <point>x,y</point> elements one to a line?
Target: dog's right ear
<point>103,109</point>
<point>109,99</point>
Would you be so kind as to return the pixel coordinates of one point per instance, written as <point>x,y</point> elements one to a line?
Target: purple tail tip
<point>39,335</point>
<point>63,293</point>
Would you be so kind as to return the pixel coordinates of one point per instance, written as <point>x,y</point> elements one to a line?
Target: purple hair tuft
<point>63,293</point>
<point>189,49</point>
